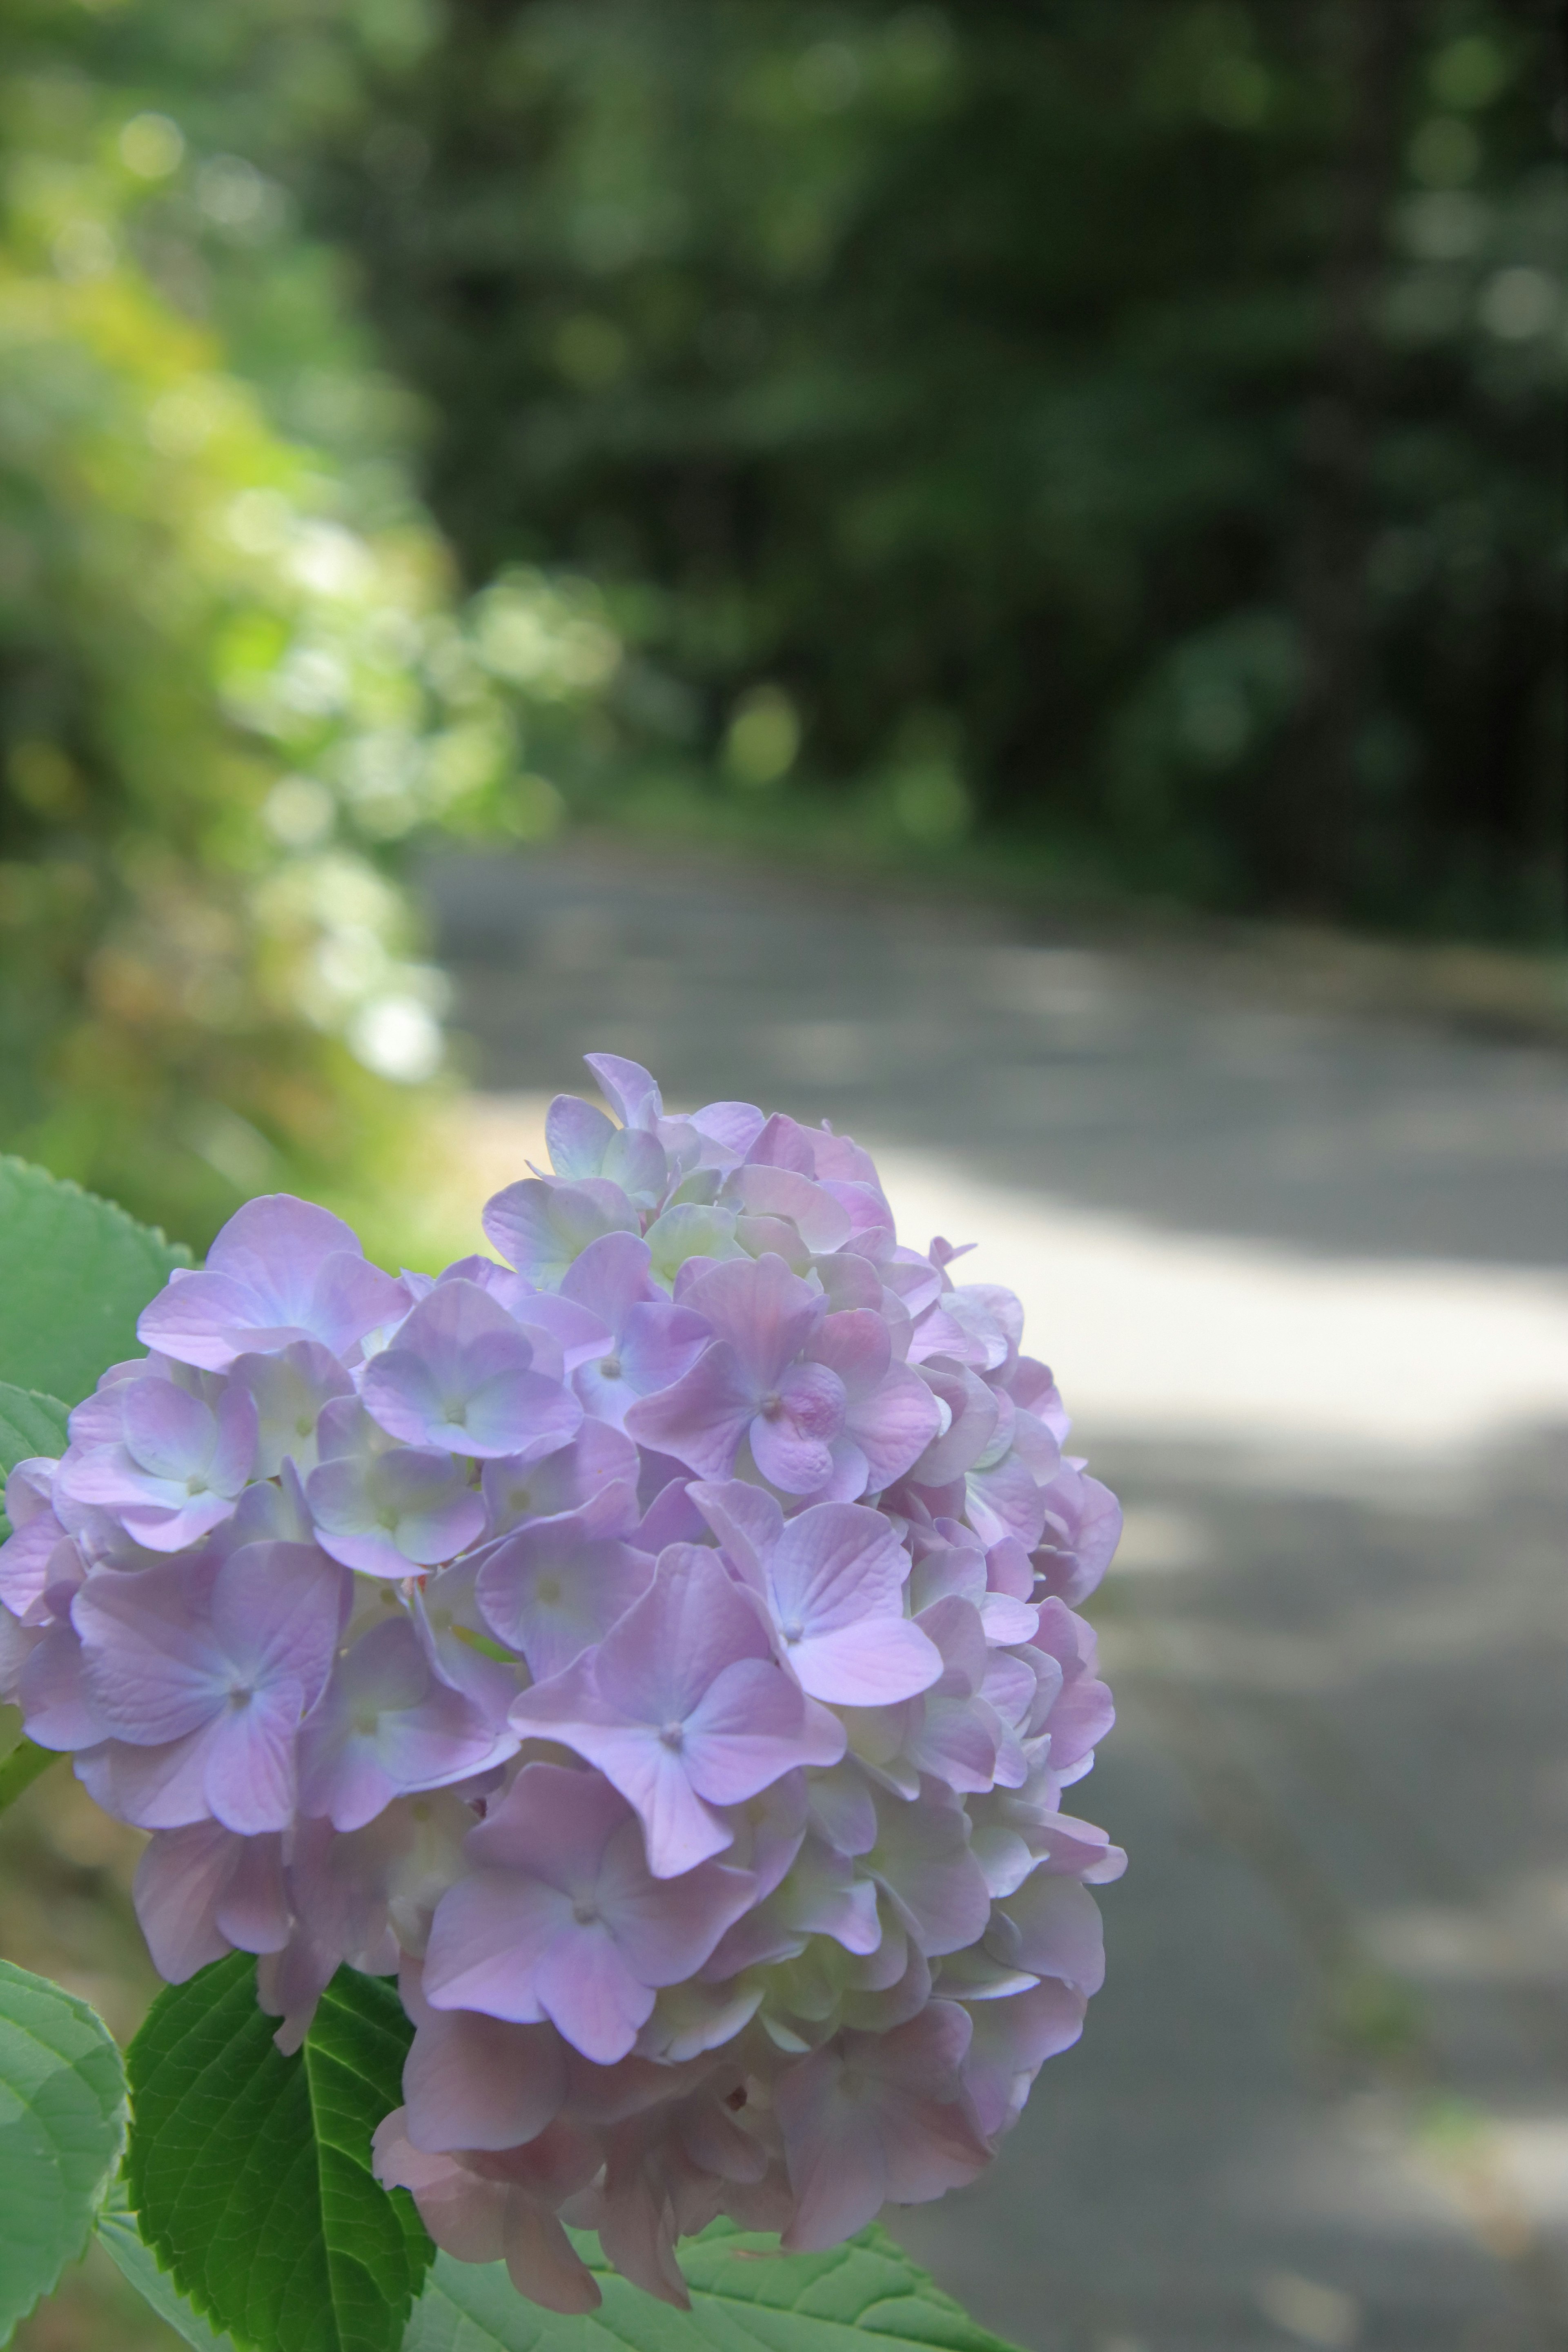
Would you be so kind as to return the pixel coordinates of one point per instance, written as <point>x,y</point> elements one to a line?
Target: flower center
<point>673,1736</point>
<point>241,1695</point>
<point>548,1590</point>
<point>771,1405</point>
<point>585,1914</point>
<point>611,1367</point>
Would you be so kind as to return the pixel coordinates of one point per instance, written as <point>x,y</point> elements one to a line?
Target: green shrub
<point>225,698</point>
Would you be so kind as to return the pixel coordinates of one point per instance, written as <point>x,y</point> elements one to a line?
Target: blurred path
<point>1300,1270</point>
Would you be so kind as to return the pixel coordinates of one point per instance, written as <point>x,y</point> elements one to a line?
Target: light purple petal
<point>597,1473</point>
<point>159,1788</point>
<point>563,1335</point>
<point>879,2113</point>
<point>201,1891</point>
<point>750,1729</point>
<point>734,1125</point>
<point>1058,1931</point>
<point>280,1270</point>
<point>627,1086</point>
<point>58,1708</point>
<point>922,1858</point>
<point>458,1376</point>
<point>387,1726</point>
<point>249,1775</point>
<point>277,1611</point>
<point>876,1662</point>
<point>388,1513</point>
<point>702,1419</point>
<point>660,1661</point>
<point>543,1228</point>
<point>167,1432</point>
<point>792,1432</point>
<point>835,1563</point>
<point>554,1588</point>
<point>153,1665</point>
<point>893,1425</point>
<point>472,2081</point>
<point>660,1343</point>
<point>1006,1501</point>
<point>679,1829</point>
<point>1012,2041</point>
<point>289,1389</point>
<point>490,1934</point>
<point>759,1192</point>
<point>856,1344</point>
<point>747,1521</point>
<point>766,1313</point>
<point>576,1136</point>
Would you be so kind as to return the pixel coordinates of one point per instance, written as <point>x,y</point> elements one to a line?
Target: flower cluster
<point>657,1643</point>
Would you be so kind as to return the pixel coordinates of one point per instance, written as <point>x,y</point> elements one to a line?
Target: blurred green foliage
<point>233,674</point>
<point>1129,428</point>
<point>1126,437</point>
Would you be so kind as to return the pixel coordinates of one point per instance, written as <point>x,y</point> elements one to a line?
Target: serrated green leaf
<point>78,1272</point>
<point>62,2127</point>
<point>30,1422</point>
<point>123,2243</point>
<point>249,2172</point>
<point>746,2297</point>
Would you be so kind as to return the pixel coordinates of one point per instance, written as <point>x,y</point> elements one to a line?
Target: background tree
<point>1144,417</point>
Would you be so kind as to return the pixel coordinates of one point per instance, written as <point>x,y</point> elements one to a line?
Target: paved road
<point>1323,2099</point>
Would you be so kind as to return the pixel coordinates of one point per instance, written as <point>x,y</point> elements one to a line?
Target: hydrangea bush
<point>656,1643</point>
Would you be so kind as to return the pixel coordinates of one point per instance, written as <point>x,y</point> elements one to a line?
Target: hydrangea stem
<point>21,1768</point>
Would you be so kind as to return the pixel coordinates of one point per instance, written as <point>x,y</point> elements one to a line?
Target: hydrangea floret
<point>657,1643</point>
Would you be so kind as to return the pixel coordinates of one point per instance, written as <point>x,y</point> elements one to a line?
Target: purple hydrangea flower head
<point>661,1649</point>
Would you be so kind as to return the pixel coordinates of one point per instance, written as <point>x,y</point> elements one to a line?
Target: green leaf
<point>78,1272</point>
<point>250,2173</point>
<point>21,1768</point>
<point>62,2127</point>
<point>123,2243</point>
<point>29,1423</point>
<point>746,2297</point>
